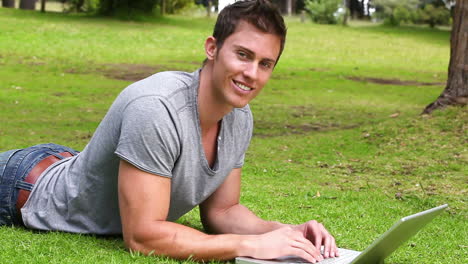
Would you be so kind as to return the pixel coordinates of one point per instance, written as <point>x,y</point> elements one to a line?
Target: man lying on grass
<point>167,144</point>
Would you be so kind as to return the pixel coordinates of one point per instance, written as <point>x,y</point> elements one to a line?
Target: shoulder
<point>241,118</point>
<point>163,84</point>
<point>172,88</point>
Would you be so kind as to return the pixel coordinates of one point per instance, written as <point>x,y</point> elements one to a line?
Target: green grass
<point>316,130</point>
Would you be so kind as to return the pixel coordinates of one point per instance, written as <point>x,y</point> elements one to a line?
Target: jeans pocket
<point>4,158</point>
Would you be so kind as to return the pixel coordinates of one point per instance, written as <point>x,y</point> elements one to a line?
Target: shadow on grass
<point>419,33</point>
<point>192,23</point>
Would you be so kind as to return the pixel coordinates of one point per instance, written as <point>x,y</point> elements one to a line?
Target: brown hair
<point>260,13</point>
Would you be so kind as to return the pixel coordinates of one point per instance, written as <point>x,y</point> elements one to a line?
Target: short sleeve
<point>245,128</point>
<point>149,138</point>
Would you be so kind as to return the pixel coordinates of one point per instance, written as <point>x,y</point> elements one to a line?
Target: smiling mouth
<point>242,86</point>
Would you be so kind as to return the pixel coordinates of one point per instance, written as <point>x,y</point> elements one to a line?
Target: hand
<point>319,236</point>
<point>285,241</point>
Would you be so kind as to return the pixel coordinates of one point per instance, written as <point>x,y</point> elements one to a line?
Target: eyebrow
<point>252,52</point>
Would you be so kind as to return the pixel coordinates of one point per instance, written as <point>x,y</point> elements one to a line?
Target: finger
<point>302,254</point>
<point>308,247</point>
<point>328,246</point>
<point>335,249</point>
<point>300,237</point>
<point>317,230</point>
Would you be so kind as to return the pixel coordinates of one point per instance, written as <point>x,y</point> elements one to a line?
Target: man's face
<point>243,65</point>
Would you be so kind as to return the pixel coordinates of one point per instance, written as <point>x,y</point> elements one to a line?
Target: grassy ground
<point>332,142</point>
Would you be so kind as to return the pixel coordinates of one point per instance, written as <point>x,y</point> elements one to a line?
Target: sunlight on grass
<point>339,118</point>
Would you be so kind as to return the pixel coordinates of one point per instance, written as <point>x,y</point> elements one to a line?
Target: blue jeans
<point>15,165</point>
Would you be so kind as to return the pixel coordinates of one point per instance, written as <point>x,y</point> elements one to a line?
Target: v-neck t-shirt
<point>154,125</point>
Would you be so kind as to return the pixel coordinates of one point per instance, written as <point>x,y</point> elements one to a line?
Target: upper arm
<point>149,136</point>
<point>143,199</point>
<point>226,196</point>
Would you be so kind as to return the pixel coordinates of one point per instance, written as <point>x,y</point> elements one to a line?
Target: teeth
<point>243,87</point>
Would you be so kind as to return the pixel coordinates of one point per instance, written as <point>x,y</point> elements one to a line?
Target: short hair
<point>260,13</point>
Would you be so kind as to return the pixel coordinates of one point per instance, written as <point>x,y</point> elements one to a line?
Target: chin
<point>239,104</point>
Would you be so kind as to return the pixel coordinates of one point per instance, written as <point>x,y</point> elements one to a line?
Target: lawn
<point>338,132</point>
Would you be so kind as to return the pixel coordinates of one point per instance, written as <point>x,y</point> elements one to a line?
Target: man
<point>167,144</point>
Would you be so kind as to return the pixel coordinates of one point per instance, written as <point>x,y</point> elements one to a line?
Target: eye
<point>266,64</point>
<point>241,54</point>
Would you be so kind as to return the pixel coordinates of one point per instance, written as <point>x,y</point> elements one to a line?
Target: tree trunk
<point>43,6</point>
<point>8,3</point>
<point>28,4</point>
<point>356,9</point>
<point>456,90</point>
<point>208,9</point>
<point>346,12</point>
<point>289,7</point>
<point>163,7</point>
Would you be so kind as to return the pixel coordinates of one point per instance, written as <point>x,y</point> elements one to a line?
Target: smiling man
<point>169,143</point>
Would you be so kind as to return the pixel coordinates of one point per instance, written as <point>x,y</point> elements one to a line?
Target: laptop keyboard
<point>346,256</point>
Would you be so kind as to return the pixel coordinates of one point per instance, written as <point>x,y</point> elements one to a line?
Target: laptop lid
<point>401,231</point>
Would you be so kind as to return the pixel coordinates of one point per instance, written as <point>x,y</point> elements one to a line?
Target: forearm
<point>238,219</point>
<point>181,242</point>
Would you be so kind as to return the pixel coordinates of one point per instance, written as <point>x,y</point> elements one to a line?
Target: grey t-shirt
<point>154,125</point>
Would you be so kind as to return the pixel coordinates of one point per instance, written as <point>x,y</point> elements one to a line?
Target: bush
<point>127,9</point>
<point>176,6</point>
<point>434,15</point>
<point>400,14</point>
<point>323,11</point>
<point>394,12</point>
<point>87,6</point>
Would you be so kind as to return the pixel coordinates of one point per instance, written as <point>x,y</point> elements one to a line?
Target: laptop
<point>376,253</point>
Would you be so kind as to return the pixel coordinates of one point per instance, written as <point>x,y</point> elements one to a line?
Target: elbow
<point>213,222</point>
<point>133,244</point>
<point>148,241</point>
<point>138,242</point>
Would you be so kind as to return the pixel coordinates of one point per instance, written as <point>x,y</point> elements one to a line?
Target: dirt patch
<point>280,77</point>
<point>271,129</point>
<point>122,71</point>
<point>36,63</point>
<point>319,69</point>
<point>305,128</point>
<point>392,81</point>
<point>130,72</point>
<point>198,63</point>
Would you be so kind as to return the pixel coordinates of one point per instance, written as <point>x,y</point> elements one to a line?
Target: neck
<point>211,109</point>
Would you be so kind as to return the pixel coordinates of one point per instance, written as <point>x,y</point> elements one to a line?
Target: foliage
<point>127,9</point>
<point>88,6</point>
<point>432,15</point>
<point>323,11</point>
<point>394,12</point>
<point>134,9</point>
<point>176,6</point>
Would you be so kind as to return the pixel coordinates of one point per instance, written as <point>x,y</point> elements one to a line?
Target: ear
<point>210,48</point>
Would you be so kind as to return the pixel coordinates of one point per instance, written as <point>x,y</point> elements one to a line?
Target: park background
<point>339,136</point>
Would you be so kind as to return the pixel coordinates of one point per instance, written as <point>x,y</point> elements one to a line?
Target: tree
<point>356,9</point>
<point>43,2</point>
<point>393,12</point>
<point>28,4</point>
<point>323,11</point>
<point>8,3</point>
<point>456,89</point>
<point>127,8</point>
<point>433,15</point>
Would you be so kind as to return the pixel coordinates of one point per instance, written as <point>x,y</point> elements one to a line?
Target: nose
<point>251,71</point>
